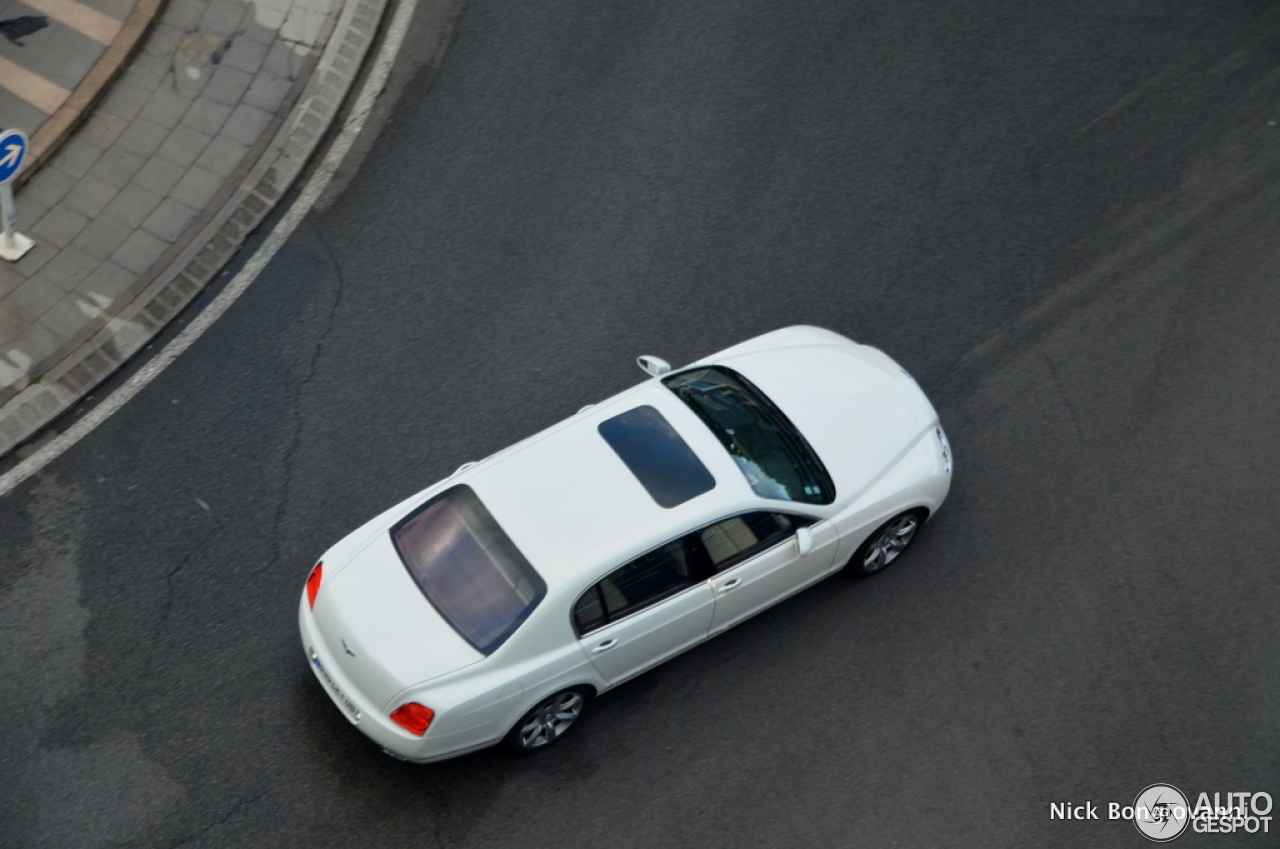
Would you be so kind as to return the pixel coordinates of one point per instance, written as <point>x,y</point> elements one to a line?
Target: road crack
<point>295,439</point>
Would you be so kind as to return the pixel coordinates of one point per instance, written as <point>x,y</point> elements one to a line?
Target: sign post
<point>13,149</point>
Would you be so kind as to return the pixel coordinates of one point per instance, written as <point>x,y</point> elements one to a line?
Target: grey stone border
<point>221,236</point>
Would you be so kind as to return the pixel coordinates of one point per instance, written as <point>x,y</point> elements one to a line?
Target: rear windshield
<point>468,568</point>
<point>772,455</point>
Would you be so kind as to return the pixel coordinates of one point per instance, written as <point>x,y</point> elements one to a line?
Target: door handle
<point>605,646</point>
<point>730,584</point>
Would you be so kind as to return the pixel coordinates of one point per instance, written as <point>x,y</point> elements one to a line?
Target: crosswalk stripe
<point>31,87</point>
<point>81,18</point>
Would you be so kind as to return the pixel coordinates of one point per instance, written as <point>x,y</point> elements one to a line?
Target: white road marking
<point>275,240</point>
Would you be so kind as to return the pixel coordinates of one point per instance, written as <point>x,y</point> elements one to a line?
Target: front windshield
<point>772,455</point>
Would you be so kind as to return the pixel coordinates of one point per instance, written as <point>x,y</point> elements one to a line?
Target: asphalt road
<point>1062,218</point>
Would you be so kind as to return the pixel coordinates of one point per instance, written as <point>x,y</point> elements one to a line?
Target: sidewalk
<point>211,119</point>
<point>57,57</point>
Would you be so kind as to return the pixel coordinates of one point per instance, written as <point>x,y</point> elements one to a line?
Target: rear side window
<point>644,581</point>
<point>468,568</point>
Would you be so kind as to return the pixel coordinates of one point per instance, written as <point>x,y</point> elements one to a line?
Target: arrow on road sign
<point>11,157</point>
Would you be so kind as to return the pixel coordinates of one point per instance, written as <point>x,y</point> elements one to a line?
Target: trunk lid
<point>381,630</point>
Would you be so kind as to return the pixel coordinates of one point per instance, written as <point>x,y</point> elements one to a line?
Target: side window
<point>648,579</point>
<point>588,613</point>
<point>733,540</point>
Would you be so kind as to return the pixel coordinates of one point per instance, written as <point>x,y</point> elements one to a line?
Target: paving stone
<point>184,14</point>
<point>101,238</point>
<point>36,258</point>
<point>146,70</point>
<point>49,186</point>
<point>283,62</point>
<point>222,156</point>
<point>38,343</point>
<point>68,268</point>
<point>102,129</point>
<point>206,115</point>
<point>159,175</point>
<point>268,92</point>
<point>169,220</point>
<point>77,157</point>
<point>108,280</point>
<point>194,62</point>
<point>166,107</point>
<point>252,29</point>
<point>302,25</point>
<point>126,101</point>
<point>28,211</point>
<point>117,166</point>
<point>143,137</point>
<point>270,14</point>
<point>59,226</point>
<point>317,6</point>
<point>8,283</point>
<point>227,85</point>
<point>197,188</point>
<point>245,54</point>
<point>90,196</point>
<point>31,300</point>
<point>11,327</point>
<point>67,317</point>
<point>183,146</point>
<point>222,17</point>
<point>246,123</point>
<point>164,40</point>
<point>139,252</point>
<point>132,206</point>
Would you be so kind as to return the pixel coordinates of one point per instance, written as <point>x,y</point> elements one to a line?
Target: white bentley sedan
<point>493,605</point>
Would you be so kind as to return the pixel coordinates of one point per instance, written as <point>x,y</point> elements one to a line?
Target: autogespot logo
<point>1161,812</point>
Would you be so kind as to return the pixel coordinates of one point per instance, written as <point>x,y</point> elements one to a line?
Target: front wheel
<point>886,544</point>
<point>547,722</point>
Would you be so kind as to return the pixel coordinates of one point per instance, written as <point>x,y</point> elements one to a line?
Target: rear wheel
<point>547,722</point>
<point>885,545</point>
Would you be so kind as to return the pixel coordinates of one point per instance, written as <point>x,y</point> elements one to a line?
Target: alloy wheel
<point>551,719</point>
<point>890,542</point>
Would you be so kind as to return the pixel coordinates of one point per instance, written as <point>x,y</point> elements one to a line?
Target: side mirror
<point>804,540</point>
<point>653,366</point>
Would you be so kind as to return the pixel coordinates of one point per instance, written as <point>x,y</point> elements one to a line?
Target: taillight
<point>313,584</point>
<point>413,717</point>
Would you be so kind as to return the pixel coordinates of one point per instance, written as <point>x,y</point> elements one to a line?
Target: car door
<point>757,561</point>
<point>648,610</point>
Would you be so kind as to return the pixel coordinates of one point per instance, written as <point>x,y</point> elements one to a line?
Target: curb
<point>59,126</point>
<point>252,196</point>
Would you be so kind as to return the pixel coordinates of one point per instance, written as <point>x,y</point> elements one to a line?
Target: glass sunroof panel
<point>663,462</point>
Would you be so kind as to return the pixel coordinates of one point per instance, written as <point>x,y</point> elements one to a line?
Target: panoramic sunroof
<point>663,463</point>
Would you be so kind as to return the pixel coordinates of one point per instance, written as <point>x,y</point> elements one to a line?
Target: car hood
<point>858,409</point>
<point>380,628</point>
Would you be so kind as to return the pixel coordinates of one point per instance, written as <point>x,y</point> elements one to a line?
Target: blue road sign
<point>13,149</point>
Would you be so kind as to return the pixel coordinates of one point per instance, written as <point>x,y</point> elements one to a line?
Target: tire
<point>547,722</point>
<point>886,545</point>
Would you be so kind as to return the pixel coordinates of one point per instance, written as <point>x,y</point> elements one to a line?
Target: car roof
<point>574,508</point>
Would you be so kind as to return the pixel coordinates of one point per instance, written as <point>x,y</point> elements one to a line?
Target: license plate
<point>335,692</point>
